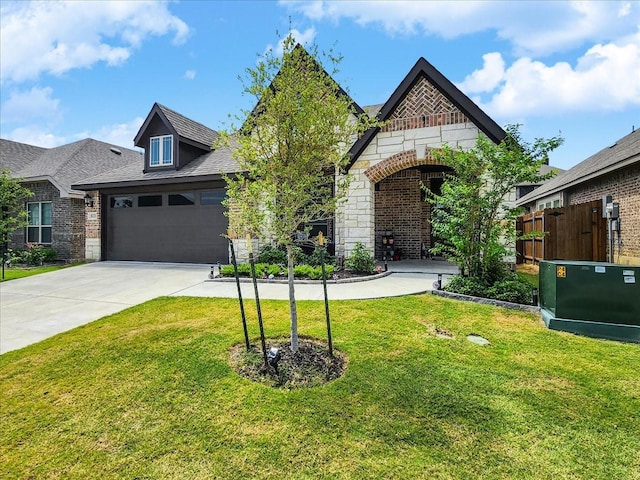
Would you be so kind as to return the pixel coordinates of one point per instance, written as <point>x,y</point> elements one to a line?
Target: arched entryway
<point>399,203</point>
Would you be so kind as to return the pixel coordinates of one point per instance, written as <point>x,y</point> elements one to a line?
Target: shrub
<point>466,286</point>
<point>509,289</point>
<point>360,260</point>
<point>272,255</point>
<point>315,260</point>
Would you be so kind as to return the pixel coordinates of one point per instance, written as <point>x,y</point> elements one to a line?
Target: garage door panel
<point>167,233</point>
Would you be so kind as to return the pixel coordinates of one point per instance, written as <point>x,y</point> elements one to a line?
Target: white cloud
<point>190,74</point>
<point>604,79</point>
<point>55,37</point>
<point>34,135</point>
<point>36,103</point>
<point>534,28</point>
<point>119,134</point>
<point>303,38</point>
<point>487,78</point>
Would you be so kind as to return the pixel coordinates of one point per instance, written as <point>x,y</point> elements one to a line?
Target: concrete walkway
<point>38,307</point>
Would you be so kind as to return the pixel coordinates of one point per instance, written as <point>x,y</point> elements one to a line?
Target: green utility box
<point>596,299</point>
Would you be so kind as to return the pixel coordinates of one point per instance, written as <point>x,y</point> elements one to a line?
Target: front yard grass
<point>149,393</point>
<point>11,273</point>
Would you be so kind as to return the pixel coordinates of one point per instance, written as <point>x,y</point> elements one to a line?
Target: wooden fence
<point>575,232</point>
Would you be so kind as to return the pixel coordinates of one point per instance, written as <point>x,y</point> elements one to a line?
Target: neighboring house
<point>56,210</point>
<point>614,171</point>
<point>167,208</point>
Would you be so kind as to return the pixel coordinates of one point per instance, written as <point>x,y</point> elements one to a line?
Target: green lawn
<point>148,393</point>
<point>21,272</point>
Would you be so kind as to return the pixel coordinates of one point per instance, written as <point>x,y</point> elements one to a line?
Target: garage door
<point>167,227</point>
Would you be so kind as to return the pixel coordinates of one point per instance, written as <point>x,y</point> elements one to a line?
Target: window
<point>556,203</point>
<point>212,198</point>
<point>121,202</point>
<point>541,206</point>
<point>39,228</point>
<point>182,199</point>
<point>150,201</point>
<point>161,153</point>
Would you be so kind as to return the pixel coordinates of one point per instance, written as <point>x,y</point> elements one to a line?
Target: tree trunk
<point>292,301</point>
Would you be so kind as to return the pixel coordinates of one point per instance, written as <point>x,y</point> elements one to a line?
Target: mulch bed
<point>310,366</point>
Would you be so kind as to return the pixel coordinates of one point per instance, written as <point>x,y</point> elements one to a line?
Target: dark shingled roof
<point>209,166</point>
<point>186,128</point>
<point>624,152</point>
<point>65,165</point>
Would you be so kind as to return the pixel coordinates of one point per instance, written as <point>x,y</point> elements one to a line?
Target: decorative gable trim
<point>465,109</point>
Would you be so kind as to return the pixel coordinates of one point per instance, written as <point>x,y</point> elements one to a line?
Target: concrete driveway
<point>38,307</point>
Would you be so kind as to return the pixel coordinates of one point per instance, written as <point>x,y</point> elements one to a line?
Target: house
<point>167,208</point>
<point>56,209</point>
<point>613,171</point>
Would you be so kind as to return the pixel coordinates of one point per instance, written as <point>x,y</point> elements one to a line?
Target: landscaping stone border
<point>487,301</point>
<point>303,281</point>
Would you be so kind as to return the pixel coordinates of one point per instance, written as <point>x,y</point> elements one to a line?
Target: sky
<point>78,69</point>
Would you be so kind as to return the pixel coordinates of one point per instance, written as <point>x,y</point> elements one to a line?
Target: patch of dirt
<point>527,268</point>
<point>310,366</point>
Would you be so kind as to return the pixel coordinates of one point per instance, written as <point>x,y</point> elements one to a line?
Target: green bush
<point>272,255</point>
<point>50,255</point>
<point>360,260</point>
<point>264,270</point>
<point>509,289</point>
<point>315,260</point>
<point>466,286</point>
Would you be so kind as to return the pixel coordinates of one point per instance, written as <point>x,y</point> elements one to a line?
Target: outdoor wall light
<point>88,200</point>
<point>273,357</point>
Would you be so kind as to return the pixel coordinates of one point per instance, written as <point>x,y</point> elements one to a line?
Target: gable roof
<point>422,68</point>
<point>188,130</point>
<point>64,165</point>
<point>622,153</point>
<point>358,110</point>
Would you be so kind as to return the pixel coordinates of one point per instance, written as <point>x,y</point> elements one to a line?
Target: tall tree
<point>472,212</point>
<point>292,147</point>
<point>13,215</point>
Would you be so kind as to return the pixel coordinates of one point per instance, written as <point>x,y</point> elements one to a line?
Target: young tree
<point>292,148</point>
<point>471,213</point>
<point>13,215</point>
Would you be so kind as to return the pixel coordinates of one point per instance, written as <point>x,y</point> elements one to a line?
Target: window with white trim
<point>39,227</point>
<point>161,151</point>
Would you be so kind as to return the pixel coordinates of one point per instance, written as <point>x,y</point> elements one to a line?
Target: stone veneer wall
<point>624,187</point>
<point>67,227</point>
<point>93,230</point>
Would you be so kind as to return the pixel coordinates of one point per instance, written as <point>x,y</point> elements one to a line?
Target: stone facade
<point>93,229</point>
<point>423,120</point>
<point>624,187</point>
<point>67,225</point>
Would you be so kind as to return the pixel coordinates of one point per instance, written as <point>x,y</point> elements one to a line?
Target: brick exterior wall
<point>400,209</point>
<point>624,187</point>
<point>425,106</point>
<point>67,225</point>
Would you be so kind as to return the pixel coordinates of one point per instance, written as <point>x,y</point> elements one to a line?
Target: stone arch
<point>397,162</point>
